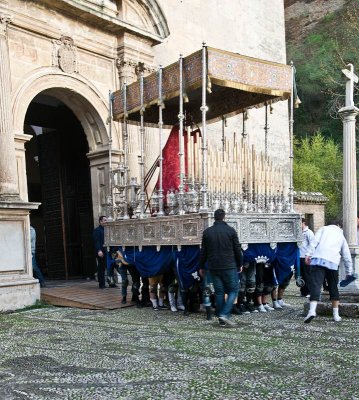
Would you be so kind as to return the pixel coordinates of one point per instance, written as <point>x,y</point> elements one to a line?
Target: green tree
<point>318,167</point>
<point>319,58</point>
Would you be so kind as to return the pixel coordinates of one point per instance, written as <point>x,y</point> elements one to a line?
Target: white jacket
<point>330,244</point>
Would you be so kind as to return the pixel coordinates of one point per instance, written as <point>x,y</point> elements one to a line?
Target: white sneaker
<point>261,308</point>
<point>283,304</point>
<point>268,307</point>
<point>337,318</point>
<point>276,305</point>
<point>173,309</point>
<point>181,308</point>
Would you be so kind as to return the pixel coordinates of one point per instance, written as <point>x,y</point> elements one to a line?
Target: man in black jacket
<point>222,252</point>
<point>101,251</point>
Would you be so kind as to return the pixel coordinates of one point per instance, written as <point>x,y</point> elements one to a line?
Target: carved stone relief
<point>64,55</point>
<point>190,229</point>
<point>4,21</point>
<point>129,70</point>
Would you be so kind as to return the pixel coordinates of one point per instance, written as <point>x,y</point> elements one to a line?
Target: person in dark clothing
<point>222,252</point>
<point>35,268</point>
<point>123,267</point>
<point>101,251</point>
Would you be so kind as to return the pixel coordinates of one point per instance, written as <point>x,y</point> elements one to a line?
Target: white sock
<point>335,312</point>
<point>160,302</point>
<point>154,303</point>
<point>312,307</point>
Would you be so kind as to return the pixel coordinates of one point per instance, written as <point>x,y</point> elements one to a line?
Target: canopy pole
<point>244,131</point>
<point>266,129</point>
<point>125,152</point>
<point>181,210</point>
<point>291,123</point>
<point>141,213</point>
<point>110,199</point>
<point>204,108</point>
<point>160,131</point>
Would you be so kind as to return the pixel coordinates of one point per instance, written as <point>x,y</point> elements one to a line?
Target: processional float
<point>207,86</point>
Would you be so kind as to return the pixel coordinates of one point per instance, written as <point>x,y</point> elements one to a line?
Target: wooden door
<point>50,171</point>
<point>67,202</point>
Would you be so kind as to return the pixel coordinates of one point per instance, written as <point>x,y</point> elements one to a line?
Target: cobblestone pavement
<point>63,353</point>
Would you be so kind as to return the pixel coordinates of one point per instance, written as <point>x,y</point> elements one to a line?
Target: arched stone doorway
<point>62,119</point>
<point>58,177</point>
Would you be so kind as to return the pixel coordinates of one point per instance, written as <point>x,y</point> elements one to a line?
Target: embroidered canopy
<point>234,83</point>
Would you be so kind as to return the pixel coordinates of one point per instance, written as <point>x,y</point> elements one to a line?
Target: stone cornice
<point>101,156</point>
<point>17,204</point>
<point>22,137</point>
<point>98,17</point>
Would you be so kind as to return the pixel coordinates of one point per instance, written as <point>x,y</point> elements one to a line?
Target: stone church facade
<point>59,60</point>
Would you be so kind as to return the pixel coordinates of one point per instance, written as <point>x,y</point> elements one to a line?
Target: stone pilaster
<point>126,71</point>
<point>18,288</point>
<point>8,177</point>
<point>129,70</point>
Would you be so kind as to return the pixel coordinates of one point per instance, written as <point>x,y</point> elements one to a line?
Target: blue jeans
<point>37,271</point>
<point>225,281</point>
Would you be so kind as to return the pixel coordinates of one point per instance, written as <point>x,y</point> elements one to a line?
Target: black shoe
<point>228,322</point>
<point>250,307</point>
<point>163,307</point>
<point>102,287</point>
<point>243,309</point>
<point>146,303</point>
<point>308,319</point>
<point>209,313</point>
<point>135,298</point>
<point>123,300</point>
<point>236,310</point>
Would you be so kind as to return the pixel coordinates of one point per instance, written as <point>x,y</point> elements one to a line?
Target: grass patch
<point>37,305</point>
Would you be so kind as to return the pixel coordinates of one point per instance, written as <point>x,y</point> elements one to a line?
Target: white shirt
<point>308,236</point>
<point>330,245</point>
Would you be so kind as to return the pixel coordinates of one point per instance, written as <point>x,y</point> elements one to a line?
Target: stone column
<point>350,208</point>
<point>349,175</point>
<point>8,177</point>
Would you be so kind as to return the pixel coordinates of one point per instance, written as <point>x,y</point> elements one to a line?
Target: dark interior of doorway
<point>58,176</point>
